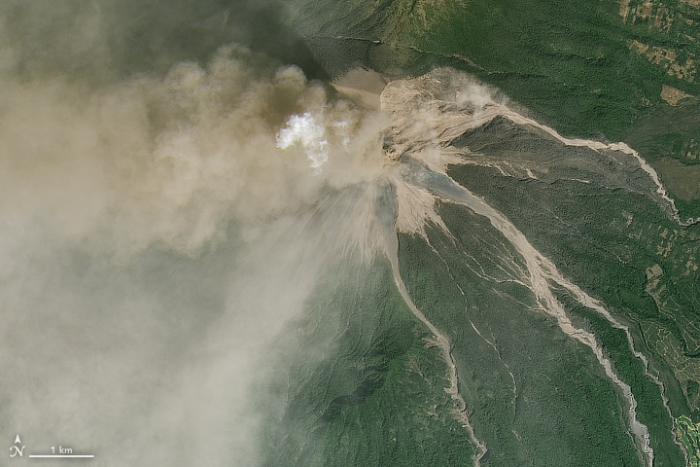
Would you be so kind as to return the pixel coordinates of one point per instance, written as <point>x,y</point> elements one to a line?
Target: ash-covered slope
<point>214,260</point>
<point>539,369</point>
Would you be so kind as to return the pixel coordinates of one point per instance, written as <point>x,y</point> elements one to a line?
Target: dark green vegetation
<point>623,248</point>
<point>535,396</point>
<point>368,390</point>
<point>690,435</point>
<point>615,71</point>
<point>532,404</point>
<point>624,71</point>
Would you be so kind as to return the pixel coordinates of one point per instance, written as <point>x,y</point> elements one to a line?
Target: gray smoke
<point>169,199</point>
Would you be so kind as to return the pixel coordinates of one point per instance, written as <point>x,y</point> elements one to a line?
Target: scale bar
<point>62,456</point>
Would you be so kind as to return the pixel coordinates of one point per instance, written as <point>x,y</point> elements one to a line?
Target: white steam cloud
<point>158,234</point>
<point>305,129</point>
<point>172,160</point>
<point>159,231</point>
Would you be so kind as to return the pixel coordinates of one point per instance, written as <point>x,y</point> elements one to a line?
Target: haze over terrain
<point>245,233</point>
